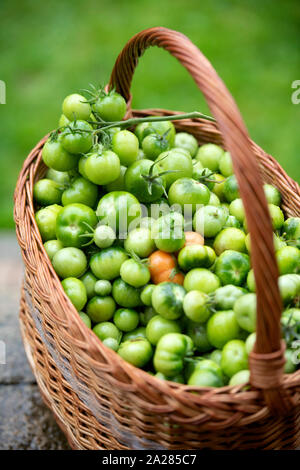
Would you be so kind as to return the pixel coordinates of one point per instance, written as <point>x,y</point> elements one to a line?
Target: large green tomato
<point>52,247</point>
<point>277,216</point>
<point>76,292</point>
<point>234,357</point>
<point>143,180</point>
<point>178,161</point>
<point>46,221</point>
<point>202,280</point>
<point>237,209</point>
<point>171,350</point>
<point>47,192</point>
<point>291,228</point>
<point>162,128</point>
<point>209,155</point>
<point>230,239</point>
<point>205,378</point>
<point>137,352</point>
<point>102,167</point>
<point>288,259</point>
<point>139,241</point>
<point>119,209</point>
<point>77,137</point>
<point>75,106</point>
<point>89,281</point>
<point>126,319</point>
<point>126,145</point>
<point>106,264</point>
<point>110,106</point>
<point>209,220</point>
<point>232,267</point>
<point>153,145</point>
<point>80,191</point>
<point>55,156</point>
<point>135,273</point>
<point>187,191</point>
<point>195,256</point>
<point>222,327</point>
<point>167,232</point>
<point>245,312</point>
<point>187,142</point>
<point>73,223</point>
<point>167,300</point>
<point>289,286</point>
<point>159,326</point>
<point>195,306</point>
<point>101,308</point>
<point>225,164</point>
<point>225,297</point>
<point>198,334</point>
<point>69,262</point>
<point>119,183</point>
<point>272,194</point>
<point>126,295</point>
<point>231,189</point>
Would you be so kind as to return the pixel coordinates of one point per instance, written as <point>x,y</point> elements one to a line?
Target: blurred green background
<point>50,49</point>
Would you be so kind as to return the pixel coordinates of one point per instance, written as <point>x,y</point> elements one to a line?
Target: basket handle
<point>267,360</point>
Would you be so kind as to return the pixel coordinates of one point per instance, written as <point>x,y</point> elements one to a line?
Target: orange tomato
<point>193,238</point>
<point>162,267</point>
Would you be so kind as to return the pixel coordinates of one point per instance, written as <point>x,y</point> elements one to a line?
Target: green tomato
<point>245,312</point>
<point>146,294</point>
<point>209,155</point>
<point>106,264</point>
<point>52,247</point>
<point>290,364</point>
<point>146,316</point>
<point>119,209</point>
<point>167,232</point>
<point>251,281</point>
<point>137,352</point>
<point>102,287</point>
<point>170,352</point>
<point>250,342</point>
<point>76,107</point>
<point>288,259</point>
<point>80,191</point>
<point>214,200</point>
<point>159,326</point>
<point>187,142</point>
<point>289,286</point>
<point>102,167</point>
<point>101,308</point>
<point>143,180</point>
<point>126,319</point>
<point>209,220</point>
<point>55,156</point>
<point>139,241</point>
<point>119,183</point>
<point>241,377</point>
<point>76,292</point>
<point>110,107</point>
<point>111,343</point>
<point>277,216</point>
<point>63,121</point>
<point>232,267</point>
<point>218,187</point>
<point>104,236</point>
<point>139,332</point>
<point>232,221</point>
<point>126,145</point>
<point>187,191</point>
<point>126,295</point>
<point>86,319</point>
<point>205,378</point>
<point>63,178</point>
<point>77,137</point>
<point>46,221</point>
<point>177,378</point>
<point>89,281</point>
<point>230,239</point>
<point>47,192</point>
<point>167,300</point>
<point>231,189</point>
<point>225,297</point>
<point>236,209</point>
<point>216,356</point>
<point>194,256</point>
<point>222,327</point>
<point>69,262</point>
<point>178,161</point>
<point>153,145</point>
<point>272,194</point>
<point>72,224</point>
<point>225,164</point>
<point>165,129</point>
<point>202,280</point>
<point>234,357</point>
<point>198,334</point>
<point>291,228</point>
<point>209,364</point>
<point>135,273</point>
<point>106,330</point>
<point>195,306</point>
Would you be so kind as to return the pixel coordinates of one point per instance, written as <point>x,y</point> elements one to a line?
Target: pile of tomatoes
<point>147,232</point>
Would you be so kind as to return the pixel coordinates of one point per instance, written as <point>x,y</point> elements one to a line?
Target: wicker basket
<point>101,401</point>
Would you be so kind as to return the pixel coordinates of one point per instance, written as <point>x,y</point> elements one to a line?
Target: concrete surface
<point>25,422</point>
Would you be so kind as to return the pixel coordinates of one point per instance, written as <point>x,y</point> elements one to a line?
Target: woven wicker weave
<point>102,402</point>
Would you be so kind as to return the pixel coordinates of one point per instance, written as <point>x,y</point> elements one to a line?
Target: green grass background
<point>50,49</point>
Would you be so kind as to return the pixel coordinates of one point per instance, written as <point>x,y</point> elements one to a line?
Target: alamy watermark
<point>2,92</point>
<point>296,94</point>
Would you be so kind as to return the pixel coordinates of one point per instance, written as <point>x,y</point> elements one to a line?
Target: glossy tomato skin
<point>101,309</point>
<point>69,262</point>
<point>126,319</point>
<point>126,295</point>
<point>167,300</point>
<point>135,273</point>
<point>140,242</point>
<point>77,137</point>
<point>75,106</point>
<point>230,239</point>
<point>209,155</point>
<point>46,221</point>
<point>168,232</point>
<point>137,352</point>
<point>177,160</point>
<point>201,279</point>
<point>119,209</point>
<point>232,267</point>
<point>159,326</point>
<point>222,327</point>
<point>119,183</point>
<point>194,256</point>
<point>110,107</point>
<point>187,142</point>
<point>106,330</point>
<point>71,224</point>
<point>52,247</point>
<point>209,220</point>
<point>138,183</point>
<point>245,312</point>
<point>162,128</point>
<point>170,352</point>
<point>153,145</point>
<point>76,292</point>
<point>80,191</point>
<point>186,191</point>
<point>126,145</point>
<point>106,264</point>
<point>47,192</point>
<point>234,357</point>
<point>102,166</point>
<point>55,156</point>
